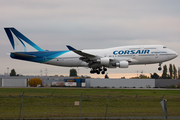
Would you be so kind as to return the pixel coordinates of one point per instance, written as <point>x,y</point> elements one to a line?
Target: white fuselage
<point>137,54</point>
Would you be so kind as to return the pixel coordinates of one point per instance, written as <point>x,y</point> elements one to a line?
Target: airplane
<point>98,60</point>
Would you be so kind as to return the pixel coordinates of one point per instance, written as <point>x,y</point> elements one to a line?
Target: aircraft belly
<point>73,62</point>
<point>147,60</point>
<point>61,62</point>
<point>162,58</point>
<point>151,59</point>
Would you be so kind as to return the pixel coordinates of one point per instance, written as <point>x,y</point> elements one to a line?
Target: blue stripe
<point>19,35</point>
<point>41,57</point>
<point>22,44</point>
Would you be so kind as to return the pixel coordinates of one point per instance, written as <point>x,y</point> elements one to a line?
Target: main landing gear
<point>159,68</point>
<point>98,70</point>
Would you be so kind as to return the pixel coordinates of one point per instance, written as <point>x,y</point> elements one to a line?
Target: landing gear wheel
<point>103,72</point>
<point>105,69</point>
<point>98,72</point>
<point>92,71</point>
<point>159,68</point>
<point>100,69</point>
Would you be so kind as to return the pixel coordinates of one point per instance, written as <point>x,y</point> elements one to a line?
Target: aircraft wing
<point>89,58</point>
<point>79,52</point>
<point>85,55</point>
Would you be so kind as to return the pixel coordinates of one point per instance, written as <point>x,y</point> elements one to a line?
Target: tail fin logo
<point>21,38</point>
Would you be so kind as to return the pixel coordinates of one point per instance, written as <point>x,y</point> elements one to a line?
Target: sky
<point>89,24</point>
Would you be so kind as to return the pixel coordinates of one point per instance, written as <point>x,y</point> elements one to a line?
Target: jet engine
<point>122,64</point>
<point>104,61</point>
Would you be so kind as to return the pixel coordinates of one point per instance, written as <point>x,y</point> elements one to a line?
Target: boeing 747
<point>98,60</point>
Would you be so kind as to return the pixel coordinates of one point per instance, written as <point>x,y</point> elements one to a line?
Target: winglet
<point>70,48</point>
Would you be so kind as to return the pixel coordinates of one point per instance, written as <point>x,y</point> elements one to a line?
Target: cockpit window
<point>164,47</point>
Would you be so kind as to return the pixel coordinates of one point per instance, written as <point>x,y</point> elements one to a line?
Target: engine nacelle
<point>122,64</point>
<point>104,61</point>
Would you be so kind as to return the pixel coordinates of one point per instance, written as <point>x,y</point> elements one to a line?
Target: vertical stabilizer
<point>12,33</point>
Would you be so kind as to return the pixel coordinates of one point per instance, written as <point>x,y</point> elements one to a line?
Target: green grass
<point>89,92</point>
<point>37,102</point>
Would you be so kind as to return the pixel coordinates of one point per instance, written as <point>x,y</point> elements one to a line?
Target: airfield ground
<point>94,102</point>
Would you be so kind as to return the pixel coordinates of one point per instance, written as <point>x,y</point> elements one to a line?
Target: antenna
<point>137,73</point>
<point>46,72</point>
<point>78,72</point>
<point>41,73</point>
<point>7,71</point>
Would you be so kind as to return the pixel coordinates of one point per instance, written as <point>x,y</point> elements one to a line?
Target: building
<point>22,81</point>
<point>121,83</point>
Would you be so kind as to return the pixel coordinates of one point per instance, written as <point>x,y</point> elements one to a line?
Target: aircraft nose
<point>176,54</point>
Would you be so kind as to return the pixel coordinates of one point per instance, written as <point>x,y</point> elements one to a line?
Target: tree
<point>155,76</point>
<point>164,75</point>
<point>13,72</point>
<point>134,78</point>
<point>170,71</point>
<point>33,82</point>
<point>106,76</point>
<point>84,77</point>
<point>178,85</point>
<point>142,76</point>
<point>178,72</point>
<point>174,72</point>
<point>73,73</point>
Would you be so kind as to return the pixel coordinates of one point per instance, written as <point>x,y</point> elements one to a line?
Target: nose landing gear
<point>159,68</point>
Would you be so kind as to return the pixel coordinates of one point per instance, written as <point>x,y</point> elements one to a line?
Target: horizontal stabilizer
<point>23,55</point>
